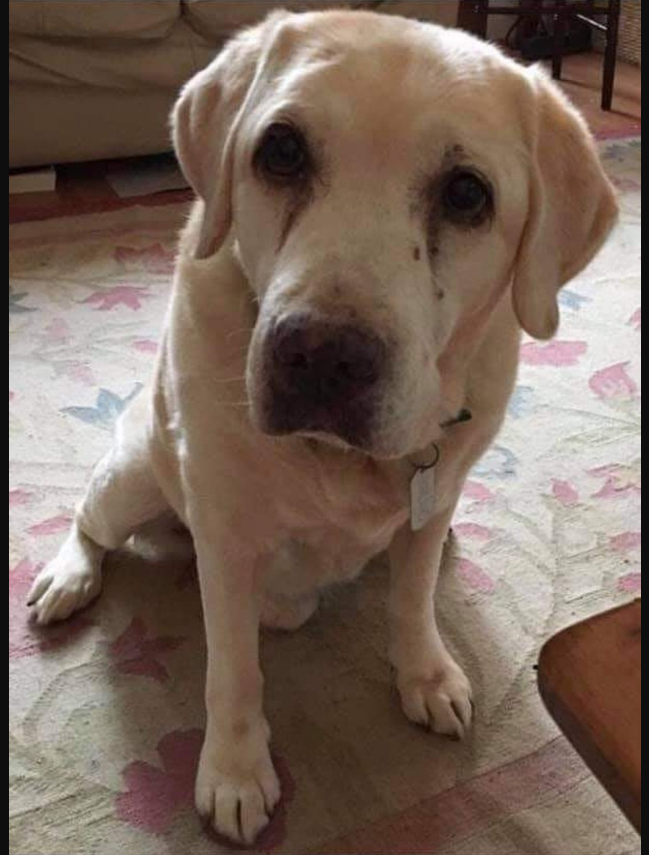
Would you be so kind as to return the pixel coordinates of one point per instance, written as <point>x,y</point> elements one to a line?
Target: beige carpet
<point>106,710</point>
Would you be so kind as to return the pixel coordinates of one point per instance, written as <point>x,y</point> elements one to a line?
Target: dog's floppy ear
<point>204,122</point>
<point>572,208</point>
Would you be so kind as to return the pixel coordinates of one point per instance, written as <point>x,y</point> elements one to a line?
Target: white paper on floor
<point>146,177</point>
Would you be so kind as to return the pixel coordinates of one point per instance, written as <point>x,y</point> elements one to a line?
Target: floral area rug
<point>106,711</point>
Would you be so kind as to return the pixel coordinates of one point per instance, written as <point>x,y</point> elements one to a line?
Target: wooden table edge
<point>606,773</point>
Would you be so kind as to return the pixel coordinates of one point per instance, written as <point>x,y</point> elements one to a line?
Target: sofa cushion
<point>133,19</point>
<point>118,64</point>
<point>220,18</point>
<point>56,125</point>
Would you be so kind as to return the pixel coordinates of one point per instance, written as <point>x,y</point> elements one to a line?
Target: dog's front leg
<point>434,690</point>
<point>236,786</point>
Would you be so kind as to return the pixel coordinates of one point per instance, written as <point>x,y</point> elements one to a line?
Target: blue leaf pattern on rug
<point>521,403</point>
<point>108,407</point>
<point>14,303</point>
<point>572,300</point>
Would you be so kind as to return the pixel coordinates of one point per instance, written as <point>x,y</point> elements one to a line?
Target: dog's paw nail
<point>443,702</point>
<point>62,589</point>
<point>236,806</point>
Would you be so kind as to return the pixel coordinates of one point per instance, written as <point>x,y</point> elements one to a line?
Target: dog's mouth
<point>316,415</point>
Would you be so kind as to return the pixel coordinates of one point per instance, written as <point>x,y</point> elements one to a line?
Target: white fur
<point>276,519</point>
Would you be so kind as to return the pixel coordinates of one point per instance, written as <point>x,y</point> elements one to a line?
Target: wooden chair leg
<point>472,16</point>
<point>559,44</point>
<point>610,56</point>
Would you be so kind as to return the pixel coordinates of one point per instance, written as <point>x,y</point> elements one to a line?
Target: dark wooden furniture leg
<point>472,16</point>
<point>559,41</point>
<point>610,57</point>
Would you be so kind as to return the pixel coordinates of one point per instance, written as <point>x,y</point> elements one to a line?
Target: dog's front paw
<point>236,788</point>
<point>442,701</point>
<point>67,584</point>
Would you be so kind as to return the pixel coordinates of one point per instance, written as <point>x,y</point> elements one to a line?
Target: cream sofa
<point>92,79</point>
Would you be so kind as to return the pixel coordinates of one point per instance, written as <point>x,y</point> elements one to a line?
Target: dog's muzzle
<point>322,377</point>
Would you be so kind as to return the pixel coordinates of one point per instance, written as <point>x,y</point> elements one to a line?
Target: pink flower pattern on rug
<point>20,497</point>
<point>155,795</point>
<point>135,653</point>
<point>474,576</point>
<point>636,320</point>
<point>120,295</point>
<point>630,583</point>
<point>53,525</point>
<point>613,382</point>
<point>477,492</point>
<point>628,541</point>
<point>564,492</point>
<point>145,345</point>
<point>620,481</point>
<point>472,530</point>
<point>555,353</point>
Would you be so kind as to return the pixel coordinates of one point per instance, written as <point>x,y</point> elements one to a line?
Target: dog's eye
<point>467,196</point>
<point>282,152</point>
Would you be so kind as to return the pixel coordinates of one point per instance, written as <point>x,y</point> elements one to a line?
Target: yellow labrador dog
<point>382,206</point>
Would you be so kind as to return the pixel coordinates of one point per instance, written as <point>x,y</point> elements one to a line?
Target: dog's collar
<point>464,415</point>
<point>422,483</point>
<point>429,456</point>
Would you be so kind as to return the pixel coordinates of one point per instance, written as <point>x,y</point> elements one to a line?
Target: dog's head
<point>386,182</point>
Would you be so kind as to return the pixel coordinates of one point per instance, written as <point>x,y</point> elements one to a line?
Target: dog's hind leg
<point>123,494</point>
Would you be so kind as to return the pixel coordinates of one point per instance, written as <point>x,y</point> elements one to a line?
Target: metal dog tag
<point>422,497</point>
<point>422,490</point>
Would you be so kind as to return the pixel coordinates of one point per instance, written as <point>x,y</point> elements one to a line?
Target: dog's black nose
<point>323,362</point>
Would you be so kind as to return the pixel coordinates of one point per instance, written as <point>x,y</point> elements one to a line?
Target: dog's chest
<point>349,511</point>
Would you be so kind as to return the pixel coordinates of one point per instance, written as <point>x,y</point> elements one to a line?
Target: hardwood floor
<point>82,188</point>
<point>582,82</point>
